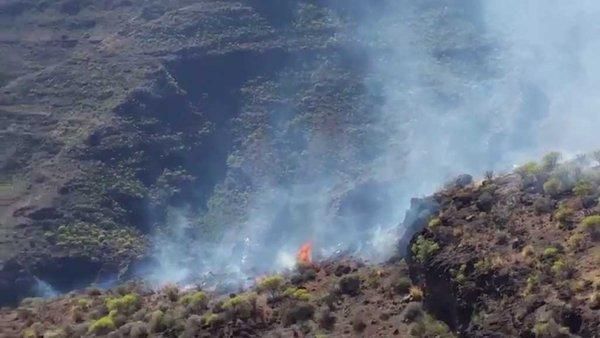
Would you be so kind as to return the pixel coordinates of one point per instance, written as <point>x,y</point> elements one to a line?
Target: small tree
<point>591,224</point>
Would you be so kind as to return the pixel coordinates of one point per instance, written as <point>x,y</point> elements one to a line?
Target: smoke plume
<point>463,87</point>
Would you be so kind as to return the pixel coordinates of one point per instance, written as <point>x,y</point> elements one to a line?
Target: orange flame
<point>304,256</point>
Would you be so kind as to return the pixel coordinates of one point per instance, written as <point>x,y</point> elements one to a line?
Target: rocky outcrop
<point>496,263</point>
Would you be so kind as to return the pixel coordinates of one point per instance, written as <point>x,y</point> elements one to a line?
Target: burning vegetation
<point>304,256</point>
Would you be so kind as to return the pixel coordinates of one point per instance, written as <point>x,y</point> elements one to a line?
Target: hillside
<point>512,256</point>
<point>117,117</point>
<point>112,111</point>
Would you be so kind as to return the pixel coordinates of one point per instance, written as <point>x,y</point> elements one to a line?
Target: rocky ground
<point>512,256</point>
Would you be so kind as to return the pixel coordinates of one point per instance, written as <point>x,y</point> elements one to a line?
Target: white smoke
<point>467,86</point>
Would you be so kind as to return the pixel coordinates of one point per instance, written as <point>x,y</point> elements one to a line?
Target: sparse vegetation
<point>563,215</point>
<point>211,319</point>
<point>532,283</point>
<point>416,293</point>
<point>574,242</point>
<point>429,327</point>
<point>156,321</point>
<point>434,223</point>
<point>297,293</point>
<point>423,249</point>
<point>583,188</point>
<point>349,284</point>
<point>240,306</point>
<point>550,329</point>
<point>102,326</point>
<point>550,161</point>
<point>195,302</point>
<point>529,169</point>
<point>402,285</point>
<point>297,312</point>
<point>550,253</point>
<point>272,285</point>
<point>125,305</point>
<point>553,187</point>
<point>413,312</point>
<point>591,225</point>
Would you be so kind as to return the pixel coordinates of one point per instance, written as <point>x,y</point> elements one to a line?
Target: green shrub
<point>434,223</point>
<point>102,326</point>
<point>529,169</point>
<point>583,188</point>
<point>126,305</point>
<point>459,275</point>
<point>423,249</point>
<point>156,321</point>
<point>553,187</point>
<point>550,329</point>
<point>272,285</point>
<point>211,319</point>
<point>532,283</point>
<point>563,215</point>
<point>297,293</point>
<point>240,306</point>
<point>297,312</point>
<point>172,292</point>
<point>591,224</point>
<point>560,268</point>
<point>195,302</point>
<point>550,253</point>
<point>575,241</point>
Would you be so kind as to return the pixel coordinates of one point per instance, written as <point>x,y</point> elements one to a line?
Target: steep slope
<point>515,256</point>
<point>113,110</point>
<point>112,113</point>
<point>510,256</point>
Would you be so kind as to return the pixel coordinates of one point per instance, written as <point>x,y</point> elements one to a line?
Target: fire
<point>304,256</point>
